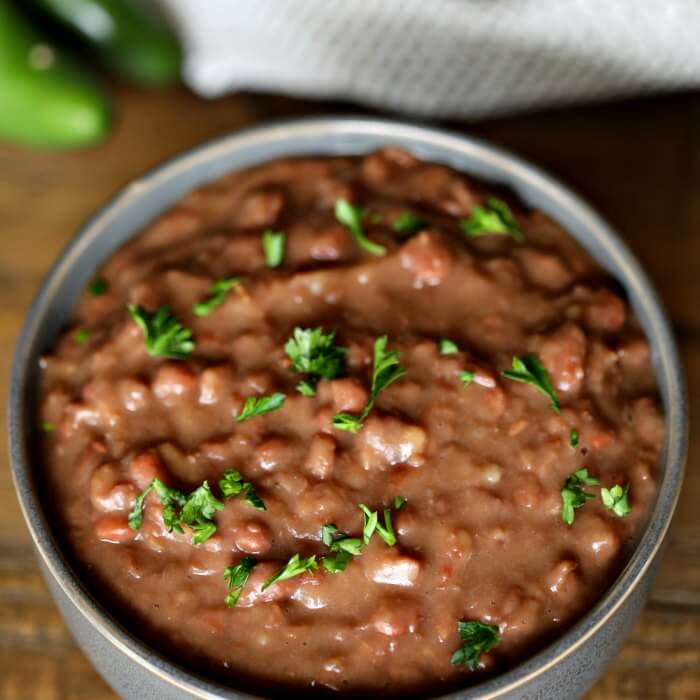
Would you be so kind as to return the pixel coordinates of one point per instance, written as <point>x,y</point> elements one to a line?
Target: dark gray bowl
<point>564,669</point>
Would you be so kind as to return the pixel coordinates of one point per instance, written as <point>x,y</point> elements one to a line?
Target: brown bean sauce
<point>481,464</point>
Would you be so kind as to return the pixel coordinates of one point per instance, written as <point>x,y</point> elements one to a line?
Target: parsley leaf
<point>306,387</point>
<point>408,222</point>
<point>294,567</point>
<point>448,347</point>
<point>573,438</point>
<point>256,406</point>
<point>351,217</point>
<point>385,372</point>
<point>164,335</point>
<point>81,336</point>
<point>495,217</point>
<point>171,499</point>
<point>573,496</point>
<point>217,294</point>
<point>233,484</point>
<point>344,546</point>
<point>273,243</point>
<point>400,502</point>
<point>477,637</point>
<point>371,525</point>
<point>312,352</point>
<point>236,578</point>
<point>336,564</point>
<point>98,286</point>
<point>198,512</point>
<point>529,370</point>
<point>616,500</point>
<point>467,377</point>
<point>48,427</point>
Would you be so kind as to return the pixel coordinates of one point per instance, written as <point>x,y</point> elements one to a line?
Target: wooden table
<point>637,162</point>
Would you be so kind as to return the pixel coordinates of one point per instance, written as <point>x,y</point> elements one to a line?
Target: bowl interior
<point>147,197</point>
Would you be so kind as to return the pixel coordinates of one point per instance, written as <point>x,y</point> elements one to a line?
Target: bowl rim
<point>669,375</point>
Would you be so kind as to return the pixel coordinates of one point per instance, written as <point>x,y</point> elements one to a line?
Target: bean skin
<point>145,467</point>
<point>114,529</point>
<point>253,537</point>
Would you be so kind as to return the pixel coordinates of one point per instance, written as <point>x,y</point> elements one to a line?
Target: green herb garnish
<point>195,510</point>
<point>386,371</point>
<point>573,438</point>
<point>81,336</point>
<point>256,406</point>
<point>273,243</point>
<point>466,377</point>
<point>48,427</point>
<point>408,222</point>
<point>344,547</point>
<point>448,347</point>
<point>233,485</point>
<point>163,334</point>
<point>399,502</point>
<point>236,578</point>
<point>477,637</point>
<point>494,218</point>
<point>294,567</point>
<point>312,352</point>
<point>573,496</point>
<point>198,513</point>
<point>529,370</point>
<point>98,286</point>
<point>616,500</point>
<point>351,217</point>
<point>217,294</point>
<point>371,525</point>
<point>171,499</point>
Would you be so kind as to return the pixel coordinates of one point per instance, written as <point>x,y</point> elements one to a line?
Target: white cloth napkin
<point>441,58</point>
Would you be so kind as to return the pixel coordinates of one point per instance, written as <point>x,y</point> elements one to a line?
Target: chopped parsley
<point>616,500</point>
<point>171,499</point>
<point>81,336</point>
<point>407,222</point>
<point>273,243</point>
<point>351,217</point>
<point>529,370</point>
<point>236,578</point>
<point>494,218</point>
<point>344,547</point>
<point>573,438</point>
<point>198,513</point>
<point>371,525</point>
<point>400,502</point>
<point>573,496</point>
<point>195,510</point>
<point>48,427</point>
<point>217,294</point>
<point>386,371</point>
<point>233,484</point>
<point>448,347</point>
<point>466,377</point>
<point>294,567</point>
<point>312,352</point>
<point>256,406</point>
<point>477,637</point>
<point>97,287</point>
<point>163,334</point>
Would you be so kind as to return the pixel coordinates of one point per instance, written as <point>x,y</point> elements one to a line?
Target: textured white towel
<point>441,58</point>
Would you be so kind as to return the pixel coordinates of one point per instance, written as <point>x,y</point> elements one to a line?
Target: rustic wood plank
<point>638,162</point>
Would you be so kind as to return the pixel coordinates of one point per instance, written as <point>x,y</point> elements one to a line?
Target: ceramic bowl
<point>568,666</point>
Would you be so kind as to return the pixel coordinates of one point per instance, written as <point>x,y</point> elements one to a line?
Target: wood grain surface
<point>637,162</point>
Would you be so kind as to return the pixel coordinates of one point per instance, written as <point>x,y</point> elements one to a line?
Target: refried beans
<point>356,424</point>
